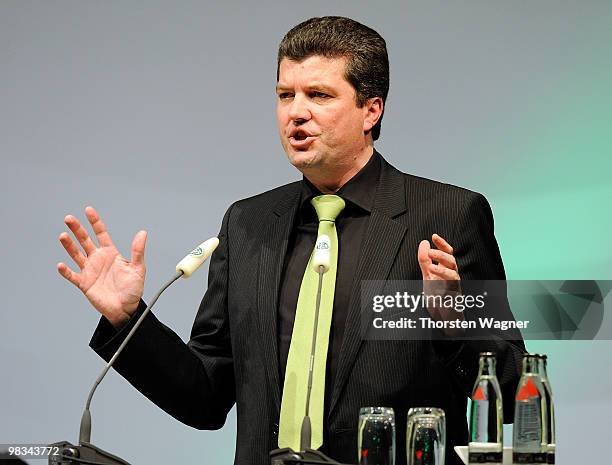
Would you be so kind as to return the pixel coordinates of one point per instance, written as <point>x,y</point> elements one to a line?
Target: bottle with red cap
<point>486,415</point>
<point>529,442</point>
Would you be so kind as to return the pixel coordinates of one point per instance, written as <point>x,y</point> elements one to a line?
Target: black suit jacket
<point>232,355</point>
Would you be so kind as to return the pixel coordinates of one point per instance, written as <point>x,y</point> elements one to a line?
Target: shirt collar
<point>359,191</point>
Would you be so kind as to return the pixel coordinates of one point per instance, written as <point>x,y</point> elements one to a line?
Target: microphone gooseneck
<point>321,261</point>
<point>306,431</point>
<point>184,268</point>
<point>85,429</point>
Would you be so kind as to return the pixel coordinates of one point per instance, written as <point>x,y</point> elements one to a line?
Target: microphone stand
<point>307,456</point>
<point>85,452</point>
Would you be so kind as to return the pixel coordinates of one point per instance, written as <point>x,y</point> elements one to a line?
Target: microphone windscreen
<point>321,256</point>
<point>197,256</point>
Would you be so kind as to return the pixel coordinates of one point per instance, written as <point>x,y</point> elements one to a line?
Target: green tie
<point>293,406</point>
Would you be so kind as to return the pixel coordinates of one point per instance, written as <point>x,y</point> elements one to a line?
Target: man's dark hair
<point>367,68</point>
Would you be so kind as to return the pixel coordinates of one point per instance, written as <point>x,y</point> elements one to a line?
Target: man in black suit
<point>333,79</point>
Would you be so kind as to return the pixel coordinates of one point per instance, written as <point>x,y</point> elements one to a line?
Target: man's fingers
<point>443,258</point>
<point>98,226</point>
<point>442,244</point>
<point>423,253</point>
<point>423,257</point>
<point>441,272</point>
<point>138,248</point>
<point>81,234</point>
<point>72,249</point>
<point>68,274</point>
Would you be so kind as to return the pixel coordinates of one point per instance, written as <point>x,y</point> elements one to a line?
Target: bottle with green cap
<point>550,408</point>
<point>529,442</point>
<point>486,415</point>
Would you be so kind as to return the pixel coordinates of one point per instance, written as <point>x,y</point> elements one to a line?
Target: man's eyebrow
<point>312,86</point>
<point>283,85</point>
<point>320,86</point>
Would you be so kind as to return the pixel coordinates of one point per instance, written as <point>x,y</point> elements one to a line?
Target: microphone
<point>86,452</point>
<point>322,256</point>
<point>197,256</point>
<point>320,263</point>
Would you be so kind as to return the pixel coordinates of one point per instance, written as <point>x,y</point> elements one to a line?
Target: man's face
<point>319,122</point>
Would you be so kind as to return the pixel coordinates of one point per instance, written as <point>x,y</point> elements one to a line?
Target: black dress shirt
<point>358,194</point>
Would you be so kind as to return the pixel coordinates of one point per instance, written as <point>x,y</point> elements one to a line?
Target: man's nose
<point>299,110</point>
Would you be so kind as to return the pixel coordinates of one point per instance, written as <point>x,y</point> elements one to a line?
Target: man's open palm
<point>111,283</point>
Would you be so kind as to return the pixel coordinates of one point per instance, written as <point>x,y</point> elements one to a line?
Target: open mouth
<point>300,135</point>
<point>300,139</point>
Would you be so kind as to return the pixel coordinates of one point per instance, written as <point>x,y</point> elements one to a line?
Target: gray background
<point>160,114</point>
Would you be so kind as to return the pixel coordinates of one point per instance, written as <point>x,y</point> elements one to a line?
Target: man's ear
<point>374,110</point>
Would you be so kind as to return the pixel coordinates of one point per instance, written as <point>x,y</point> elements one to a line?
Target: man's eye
<point>285,95</point>
<point>319,95</point>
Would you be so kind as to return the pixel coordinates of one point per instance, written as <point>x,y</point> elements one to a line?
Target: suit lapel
<point>272,256</point>
<point>378,251</point>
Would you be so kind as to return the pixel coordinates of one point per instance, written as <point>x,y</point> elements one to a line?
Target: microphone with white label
<point>196,257</point>
<point>320,263</point>
<point>321,259</point>
<point>322,254</point>
<point>86,452</point>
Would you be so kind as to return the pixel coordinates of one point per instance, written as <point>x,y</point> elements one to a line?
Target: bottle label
<point>528,424</point>
<point>479,394</point>
<point>480,422</point>
<point>550,453</point>
<point>529,457</point>
<point>485,457</point>
<point>528,391</point>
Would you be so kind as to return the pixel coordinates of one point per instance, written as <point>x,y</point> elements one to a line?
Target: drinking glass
<point>426,436</point>
<point>376,436</point>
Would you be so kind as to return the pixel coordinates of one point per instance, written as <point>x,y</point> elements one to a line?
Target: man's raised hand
<point>446,266</point>
<point>441,278</point>
<point>111,283</point>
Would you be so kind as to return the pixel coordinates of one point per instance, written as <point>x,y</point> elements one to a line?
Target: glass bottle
<point>529,442</point>
<point>486,414</point>
<point>550,423</point>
